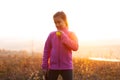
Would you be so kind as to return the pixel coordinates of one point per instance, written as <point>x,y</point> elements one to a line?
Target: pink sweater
<point>58,51</point>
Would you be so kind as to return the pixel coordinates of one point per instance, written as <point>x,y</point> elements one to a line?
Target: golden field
<point>20,65</point>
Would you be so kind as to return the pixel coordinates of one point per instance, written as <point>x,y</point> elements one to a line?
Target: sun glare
<point>89,20</point>
<point>105,59</point>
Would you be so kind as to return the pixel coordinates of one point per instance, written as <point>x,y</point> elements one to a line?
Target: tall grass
<point>24,66</point>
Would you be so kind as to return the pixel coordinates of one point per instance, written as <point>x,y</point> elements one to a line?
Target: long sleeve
<point>70,41</point>
<point>46,53</point>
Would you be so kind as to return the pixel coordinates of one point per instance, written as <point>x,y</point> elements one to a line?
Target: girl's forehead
<point>58,19</point>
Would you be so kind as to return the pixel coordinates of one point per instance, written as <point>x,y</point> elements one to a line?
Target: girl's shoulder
<point>52,33</point>
<point>71,32</point>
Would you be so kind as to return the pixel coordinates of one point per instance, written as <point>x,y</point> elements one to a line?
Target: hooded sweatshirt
<point>58,50</point>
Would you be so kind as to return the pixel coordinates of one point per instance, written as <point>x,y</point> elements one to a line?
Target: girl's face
<point>59,23</point>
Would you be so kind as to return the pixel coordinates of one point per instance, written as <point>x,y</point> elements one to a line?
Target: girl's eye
<point>58,21</point>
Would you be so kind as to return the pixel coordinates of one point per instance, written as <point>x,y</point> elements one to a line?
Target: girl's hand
<point>44,71</point>
<point>45,74</point>
<point>58,33</point>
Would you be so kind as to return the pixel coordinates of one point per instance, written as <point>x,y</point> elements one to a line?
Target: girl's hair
<point>62,15</point>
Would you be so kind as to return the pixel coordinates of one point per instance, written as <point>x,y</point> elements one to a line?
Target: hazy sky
<point>32,19</point>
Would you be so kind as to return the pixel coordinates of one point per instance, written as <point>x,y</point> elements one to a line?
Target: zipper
<point>59,54</point>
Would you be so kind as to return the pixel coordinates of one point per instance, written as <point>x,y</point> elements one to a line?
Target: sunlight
<point>91,23</point>
<point>88,19</point>
<point>105,59</point>
<point>96,22</point>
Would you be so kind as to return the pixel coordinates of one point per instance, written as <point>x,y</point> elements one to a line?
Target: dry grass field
<point>23,66</point>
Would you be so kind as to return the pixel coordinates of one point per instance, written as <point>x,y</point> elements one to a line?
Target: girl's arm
<point>46,53</point>
<point>70,41</point>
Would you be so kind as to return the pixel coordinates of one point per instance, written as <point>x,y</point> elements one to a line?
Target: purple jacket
<point>58,51</point>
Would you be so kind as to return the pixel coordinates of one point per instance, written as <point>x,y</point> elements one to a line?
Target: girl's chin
<point>60,28</point>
